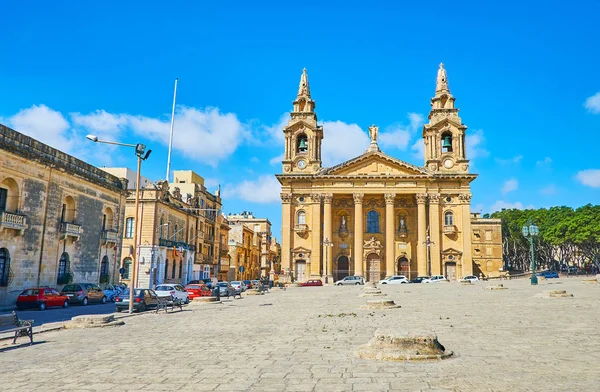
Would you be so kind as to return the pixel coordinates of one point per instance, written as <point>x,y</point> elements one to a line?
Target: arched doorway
<point>403,266</point>
<point>4,267</point>
<point>451,271</point>
<point>373,268</point>
<point>343,268</point>
<point>64,269</point>
<point>104,274</point>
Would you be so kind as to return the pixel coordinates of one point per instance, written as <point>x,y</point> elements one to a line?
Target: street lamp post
<point>530,231</point>
<point>428,244</point>
<point>142,155</point>
<point>326,244</point>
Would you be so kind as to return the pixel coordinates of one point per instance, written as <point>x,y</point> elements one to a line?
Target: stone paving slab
<point>305,339</point>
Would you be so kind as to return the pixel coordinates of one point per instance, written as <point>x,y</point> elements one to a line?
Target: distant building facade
<point>375,215</point>
<point>60,218</point>
<point>179,232</point>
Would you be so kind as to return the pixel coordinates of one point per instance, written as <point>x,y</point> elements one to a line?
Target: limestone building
<point>180,232</point>
<point>60,218</point>
<point>375,215</point>
<point>251,245</point>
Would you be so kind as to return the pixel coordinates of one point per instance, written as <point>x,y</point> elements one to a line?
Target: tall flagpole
<point>171,137</point>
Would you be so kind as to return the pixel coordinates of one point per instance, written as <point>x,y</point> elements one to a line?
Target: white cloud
<point>590,177</point>
<point>342,141</point>
<point>265,189</point>
<point>544,162</point>
<point>510,186</point>
<point>398,136</point>
<point>276,160</point>
<point>46,125</point>
<point>549,190</point>
<point>211,183</point>
<point>474,142</point>
<point>592,104</point>
<point>275,131</point>
<point>418,149</point>
<point>515,159</point>
<point>204,135</point>
<point>501,204</point>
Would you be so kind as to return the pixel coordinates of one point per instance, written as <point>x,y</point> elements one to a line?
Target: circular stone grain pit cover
<point>410,346</point>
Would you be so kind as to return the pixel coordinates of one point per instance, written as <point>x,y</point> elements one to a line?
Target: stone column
<point>434,233</point>
<point>315,230</point>
<point>358,234</point>
<point>421,234</point>
<point>286,231</point>
<point>467,257</point>
<point>327,234</point>
<point>389,233</point>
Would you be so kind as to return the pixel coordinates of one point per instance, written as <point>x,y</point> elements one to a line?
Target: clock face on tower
<point>448,163</point>
<point>301,164</point>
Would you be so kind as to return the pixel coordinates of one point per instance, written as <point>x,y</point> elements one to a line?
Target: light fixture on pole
<point>530,231</point>
<point>142,155</point>
<point>428,244</point>
<point>327,244</point>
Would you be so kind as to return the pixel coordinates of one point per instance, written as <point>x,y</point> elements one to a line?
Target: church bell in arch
<point>302,146</point>
<point>447,141</point>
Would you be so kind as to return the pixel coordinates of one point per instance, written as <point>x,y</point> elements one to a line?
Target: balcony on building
<point>110,237</point>
<point>167,243</point>
<point>301,228</point>
<point>223,252</point>
<point>209,238</point>
<point>70,229</point>
<point>449,229</point>
<point>13,221</point>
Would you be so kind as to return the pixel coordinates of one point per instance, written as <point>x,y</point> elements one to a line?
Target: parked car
<point>210,282</point>
<point>41,298</point>
<point>196,281</point>
<point>174,290</point>
<point>573,270</point>
<point>248,284</point>
<point>350,280</point>
<point>255,282</point>
<point>312,282</point>
<point>198,290</point>
<point>239,285</point>
<point>111,292</point>
<point>142,300</point>
<point>226,289</point>
<point>395,279</point>
<point>435,279</point>
<point>418,279</point>
<point>470,278</point>
<point>84,293</point>
<point>548,274</point>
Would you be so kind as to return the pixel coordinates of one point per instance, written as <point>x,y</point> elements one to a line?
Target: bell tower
<point>444,135</point>
<point>302,134</point>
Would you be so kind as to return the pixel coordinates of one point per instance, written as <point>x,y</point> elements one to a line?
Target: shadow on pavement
<point>19,345</point>
<point>53,315</point>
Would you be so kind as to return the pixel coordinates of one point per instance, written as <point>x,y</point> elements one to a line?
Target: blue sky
<point>525,77</point>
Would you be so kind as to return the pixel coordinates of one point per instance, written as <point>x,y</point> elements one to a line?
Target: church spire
<point>304,88</point>
<point>441,85</point>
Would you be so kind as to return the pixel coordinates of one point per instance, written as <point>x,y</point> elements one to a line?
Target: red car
<point>313,282</point>
<point>198,290</point>
<point>42,298</point>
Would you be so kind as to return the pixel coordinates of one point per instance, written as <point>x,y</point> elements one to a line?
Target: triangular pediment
<point>451,251</point>
<point>300,249</point>
<point>376,164</point>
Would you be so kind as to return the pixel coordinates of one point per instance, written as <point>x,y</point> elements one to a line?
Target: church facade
<point>375,215</point>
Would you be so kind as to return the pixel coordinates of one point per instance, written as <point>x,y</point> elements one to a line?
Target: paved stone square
<point>304,339</point>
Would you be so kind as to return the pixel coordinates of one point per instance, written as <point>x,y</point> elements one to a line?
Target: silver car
<point>174,290</point>
<point>350,280</point>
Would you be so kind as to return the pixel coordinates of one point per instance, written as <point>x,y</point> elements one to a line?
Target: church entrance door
<point>373,268</point>
<point>343,268</point>
<point>403,267</point>
<point>451,271</point>
<point>301,270</point>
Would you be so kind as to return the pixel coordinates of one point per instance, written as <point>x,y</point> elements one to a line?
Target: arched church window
<point>448,218</point>
<point>372,222</point>
<point>301,217</point>
<point>302,144</point>
<point>447,142</point>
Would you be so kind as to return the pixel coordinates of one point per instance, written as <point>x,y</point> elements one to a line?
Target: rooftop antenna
<point>171,136</point>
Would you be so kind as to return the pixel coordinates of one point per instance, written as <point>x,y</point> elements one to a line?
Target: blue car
<point>548,274</point>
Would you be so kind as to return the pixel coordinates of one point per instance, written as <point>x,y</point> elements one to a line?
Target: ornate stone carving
<point>343,203</point>
<point>286,197</point>
<point>389,198</point>
<point>372,245</point>
<point>399,203</point>
<point>327,198</point>
<point>358,197</point>
<point>316,197</point>
<point>421,198</point>
<point>374,203</point>
<point>434,198</point>
<point>164,190</point>
<point>177,193</point>
<point>465,198</point>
